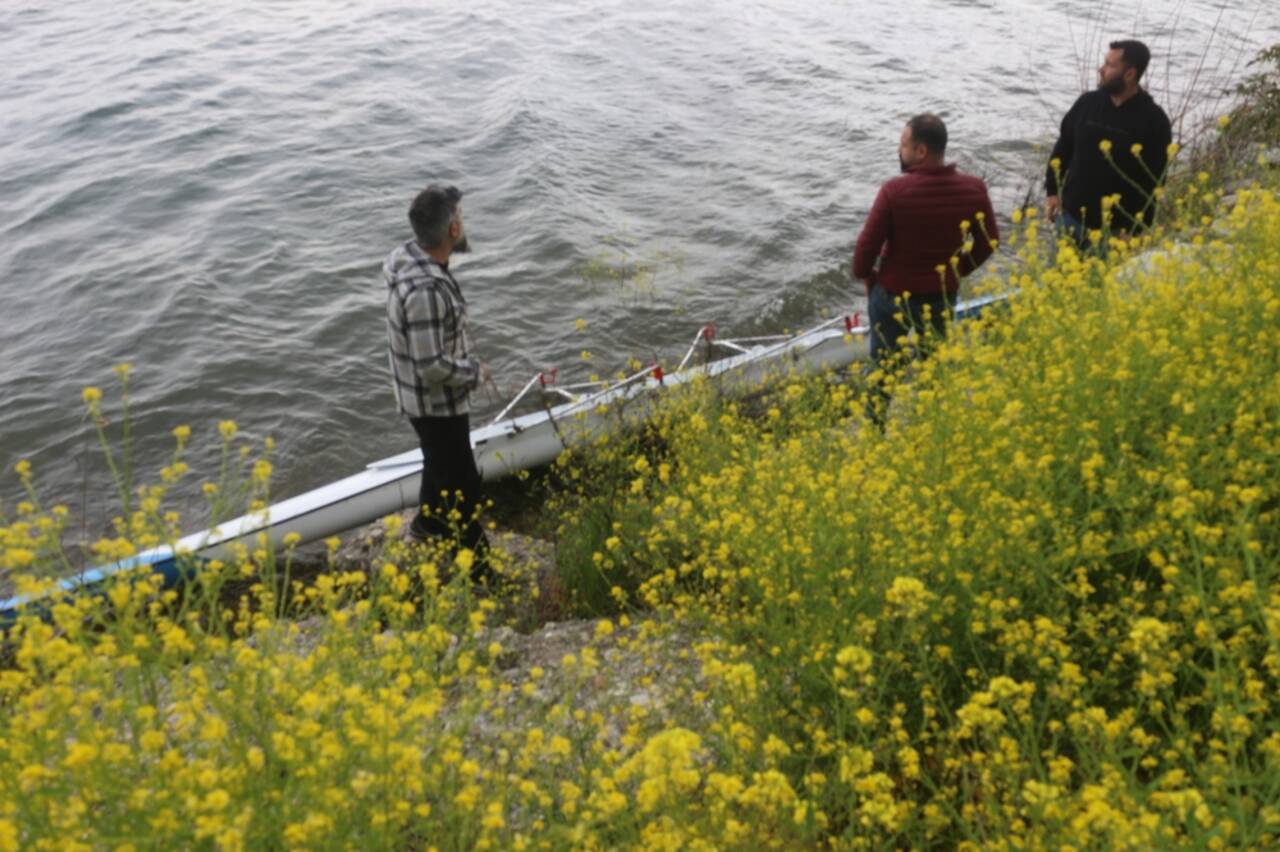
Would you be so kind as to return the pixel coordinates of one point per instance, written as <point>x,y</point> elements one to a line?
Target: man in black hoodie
<point>1114,142</point>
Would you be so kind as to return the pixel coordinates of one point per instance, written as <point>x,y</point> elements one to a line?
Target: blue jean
<point>1072,227</point>
<point>892,318</point>
<point>887,329</point>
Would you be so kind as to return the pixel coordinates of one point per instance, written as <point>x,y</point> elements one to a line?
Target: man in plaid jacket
<point>434,371</point>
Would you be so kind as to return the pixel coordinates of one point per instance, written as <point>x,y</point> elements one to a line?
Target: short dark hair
<point>1136,54</point>
<point>431,212</point>
<point>930,131</point>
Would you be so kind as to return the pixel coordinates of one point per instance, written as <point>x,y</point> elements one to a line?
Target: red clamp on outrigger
<point>852,322</point>
<point>548,377</point>
<point>657,372</point>
<point>705,334</point>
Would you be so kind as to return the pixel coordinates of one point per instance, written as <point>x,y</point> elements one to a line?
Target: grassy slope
<point>1044,602</point>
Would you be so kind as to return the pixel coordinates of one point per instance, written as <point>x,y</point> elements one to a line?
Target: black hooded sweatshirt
<point>1087,176</point>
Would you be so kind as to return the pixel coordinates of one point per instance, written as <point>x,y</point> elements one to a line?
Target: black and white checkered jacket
<point>432,370</point>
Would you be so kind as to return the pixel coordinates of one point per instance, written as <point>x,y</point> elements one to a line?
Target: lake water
<point>207,190</point>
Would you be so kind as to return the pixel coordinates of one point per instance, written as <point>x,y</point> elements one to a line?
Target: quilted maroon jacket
<point>914,226</point>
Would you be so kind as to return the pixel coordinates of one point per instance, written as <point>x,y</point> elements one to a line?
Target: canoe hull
<point>501,449</point>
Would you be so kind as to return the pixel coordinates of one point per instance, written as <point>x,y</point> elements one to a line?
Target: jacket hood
<point>408,260</point>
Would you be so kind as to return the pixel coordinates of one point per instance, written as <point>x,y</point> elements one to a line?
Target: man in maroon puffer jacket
<point>928,228</point>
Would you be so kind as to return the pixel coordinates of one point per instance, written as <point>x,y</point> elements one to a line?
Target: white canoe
<point>502,447</point>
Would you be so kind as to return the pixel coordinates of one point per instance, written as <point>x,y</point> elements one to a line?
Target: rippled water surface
<point>207,190</point>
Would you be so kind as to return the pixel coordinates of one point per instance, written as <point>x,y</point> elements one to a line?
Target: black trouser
<point>450,482</point>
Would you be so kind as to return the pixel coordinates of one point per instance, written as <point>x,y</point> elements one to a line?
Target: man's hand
<point>485,375</point>
<point>1052,207</point>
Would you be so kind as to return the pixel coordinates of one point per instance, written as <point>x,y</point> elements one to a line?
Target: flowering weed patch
<point>1040,609</point>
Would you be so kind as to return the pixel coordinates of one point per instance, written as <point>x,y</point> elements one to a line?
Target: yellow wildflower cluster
<point>1040,609</point>
<point>1051,583</point>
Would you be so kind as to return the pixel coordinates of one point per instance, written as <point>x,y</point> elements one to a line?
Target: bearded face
<point>1111,72</point>
<point>461,244</point>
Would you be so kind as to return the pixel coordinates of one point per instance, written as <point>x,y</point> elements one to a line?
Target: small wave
<point>89,122</point>
<point>88,196</point>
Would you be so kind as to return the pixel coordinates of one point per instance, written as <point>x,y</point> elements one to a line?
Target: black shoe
<point>415,534</point>
<point>482,574</point>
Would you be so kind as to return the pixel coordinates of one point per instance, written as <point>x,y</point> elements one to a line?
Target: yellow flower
<point>1136,149</point>
<point>91,396</point>
<point>908,595</point>
<point>153,740</point>
<point>493,818</point>
<point>217,800</point>
<point>23,469</point>
<point>10,837</point>
<point>79,754</point>
<point>1223,121</point>
<point>855,658</point>
<point>227,429</point>
<point>560,746</point>
<point>1105,147</point>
